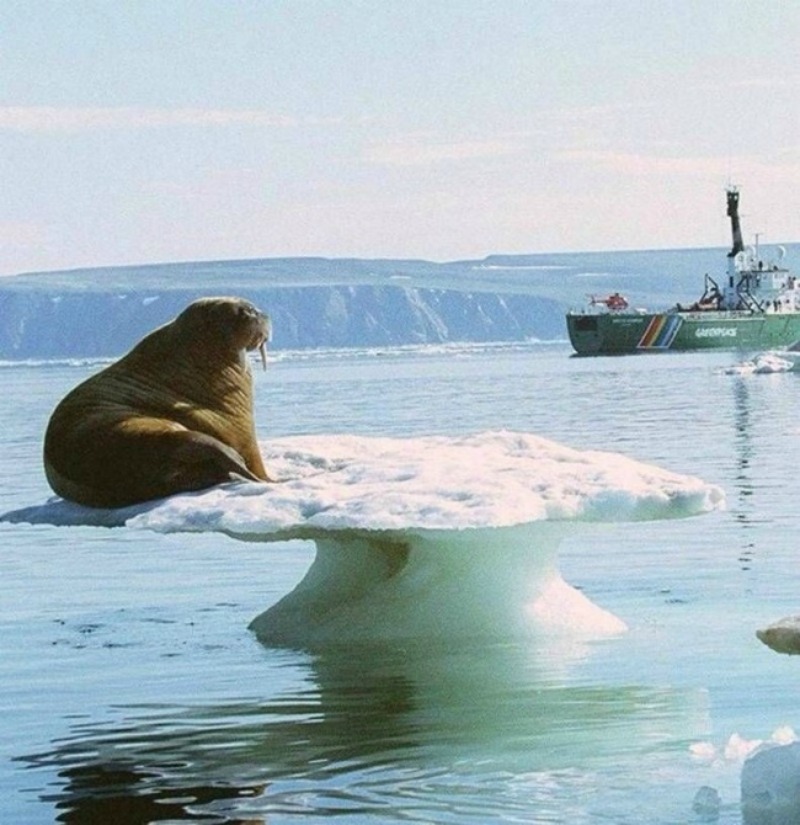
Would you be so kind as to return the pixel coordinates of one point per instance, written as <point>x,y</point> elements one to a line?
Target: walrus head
<point>232,323</point>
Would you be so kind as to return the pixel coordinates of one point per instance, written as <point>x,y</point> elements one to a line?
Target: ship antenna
<point>733,214</point>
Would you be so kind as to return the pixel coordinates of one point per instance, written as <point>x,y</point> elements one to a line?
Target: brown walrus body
<point>173,415</point>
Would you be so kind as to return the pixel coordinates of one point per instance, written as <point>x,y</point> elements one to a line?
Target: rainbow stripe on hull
<point>660,332</point>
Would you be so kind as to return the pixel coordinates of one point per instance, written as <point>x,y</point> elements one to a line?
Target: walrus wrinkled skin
<point>173,415</point>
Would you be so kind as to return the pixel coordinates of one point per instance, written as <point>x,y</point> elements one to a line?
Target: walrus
<point>173,415</point>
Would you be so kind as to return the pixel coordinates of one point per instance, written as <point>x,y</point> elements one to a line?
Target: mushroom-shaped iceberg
<point>437,537</point>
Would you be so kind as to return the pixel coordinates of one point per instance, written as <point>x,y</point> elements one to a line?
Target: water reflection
<point>456,731</point>
<point>105,793</point>
<point>743,444</point>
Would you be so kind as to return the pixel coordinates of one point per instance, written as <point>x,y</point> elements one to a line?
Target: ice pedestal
<point>434,537</point>
<point>439,585</point>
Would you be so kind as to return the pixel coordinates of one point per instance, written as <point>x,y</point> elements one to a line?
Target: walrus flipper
<point>181,462</point>
<point>203,461</point>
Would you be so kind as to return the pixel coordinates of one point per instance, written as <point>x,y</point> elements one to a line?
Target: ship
<point>756,307</point>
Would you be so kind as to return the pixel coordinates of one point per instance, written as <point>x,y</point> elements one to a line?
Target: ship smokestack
<point>736,229</point>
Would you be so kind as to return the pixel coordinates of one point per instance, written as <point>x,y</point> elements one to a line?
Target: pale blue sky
<point>139,131</point>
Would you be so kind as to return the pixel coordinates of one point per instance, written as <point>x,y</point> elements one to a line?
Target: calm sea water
<point>131,690</point>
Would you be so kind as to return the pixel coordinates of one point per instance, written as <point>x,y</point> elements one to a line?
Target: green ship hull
<point>620,333</point>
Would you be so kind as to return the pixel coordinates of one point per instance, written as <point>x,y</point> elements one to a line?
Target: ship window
<point>586,323</point>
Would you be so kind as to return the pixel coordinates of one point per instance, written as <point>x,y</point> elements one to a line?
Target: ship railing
<point>721,315</point>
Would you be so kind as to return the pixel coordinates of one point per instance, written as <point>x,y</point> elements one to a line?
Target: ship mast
<point>736,231</point>
<point>733,214</point>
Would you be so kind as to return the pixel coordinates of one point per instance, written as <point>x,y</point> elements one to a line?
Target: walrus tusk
<point>262,348</point>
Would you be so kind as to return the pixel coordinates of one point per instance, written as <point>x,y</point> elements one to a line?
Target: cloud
<point>721,82</point>
<point>782,163</point>
<point>82,119</point>
<point>417,151</point>
<point>632,163</point>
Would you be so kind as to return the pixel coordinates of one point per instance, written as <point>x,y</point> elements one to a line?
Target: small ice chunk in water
<point>770,362</point>
<point>707,803</point>
<point>765,363</point>
<point>771,786</point>
<point>783,735</point>
<point>782,636</point>
<point>703,751</point>
<point>738,748</point>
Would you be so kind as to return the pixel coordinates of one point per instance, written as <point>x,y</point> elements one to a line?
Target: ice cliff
<point>53,323</point>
